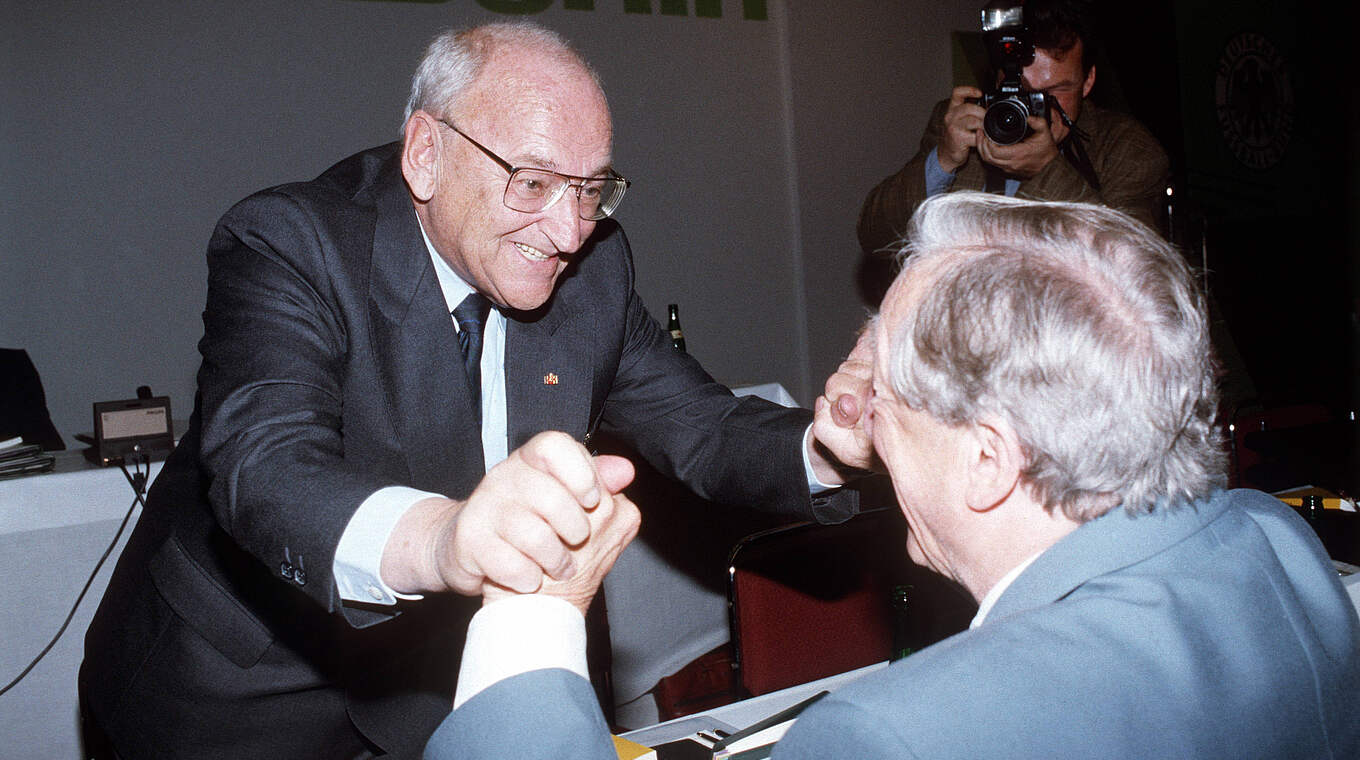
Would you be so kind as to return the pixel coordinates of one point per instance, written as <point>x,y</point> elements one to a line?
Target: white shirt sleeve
<point>814,485</point>
<point>518,634</point>
<point>358,557</point>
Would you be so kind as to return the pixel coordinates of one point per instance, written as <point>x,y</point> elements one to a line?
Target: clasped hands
<point>550,519</point>
<point>553,519</point>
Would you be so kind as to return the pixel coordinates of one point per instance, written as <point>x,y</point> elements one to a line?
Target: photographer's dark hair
<point>1058,24</point>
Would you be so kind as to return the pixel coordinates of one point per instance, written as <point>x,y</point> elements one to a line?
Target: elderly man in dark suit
<point>1042,397</point>
<point>360,465</point>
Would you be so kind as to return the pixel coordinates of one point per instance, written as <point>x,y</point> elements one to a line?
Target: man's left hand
<point>839,445</point>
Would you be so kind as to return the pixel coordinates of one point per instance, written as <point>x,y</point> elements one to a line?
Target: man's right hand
<point>613,524</point>
<point>519,525</point>
<point>962,126</point>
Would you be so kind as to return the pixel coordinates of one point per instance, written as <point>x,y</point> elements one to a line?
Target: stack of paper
<point>712,740</point>
<point>19,458</point>
<point>756,741</point>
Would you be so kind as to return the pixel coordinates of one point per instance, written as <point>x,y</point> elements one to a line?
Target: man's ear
<point>1089,83</point>
<point>420,155</point>
<point>995,459</point>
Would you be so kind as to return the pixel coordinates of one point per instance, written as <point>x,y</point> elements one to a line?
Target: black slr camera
<point>1010,49</point>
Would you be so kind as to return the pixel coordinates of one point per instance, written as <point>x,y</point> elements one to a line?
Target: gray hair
<point>1079,326</point>
<point>455,59</point>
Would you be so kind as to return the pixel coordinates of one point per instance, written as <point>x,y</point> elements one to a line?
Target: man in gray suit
<point>360,464</point>
<point>1042,397</point>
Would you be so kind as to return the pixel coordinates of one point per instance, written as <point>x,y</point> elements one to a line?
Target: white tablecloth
<point>53,529</point>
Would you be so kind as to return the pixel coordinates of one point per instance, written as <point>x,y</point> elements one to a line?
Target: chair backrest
<point>1290,445</point>
<point>808,601</point>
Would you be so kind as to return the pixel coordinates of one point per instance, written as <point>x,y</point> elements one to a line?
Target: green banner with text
<point>751,10</point>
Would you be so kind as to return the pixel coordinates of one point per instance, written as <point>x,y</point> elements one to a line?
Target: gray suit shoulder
<point>540,715</point>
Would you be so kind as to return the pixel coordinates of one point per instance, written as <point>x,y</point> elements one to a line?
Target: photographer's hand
<point>962,128</point>
<point>1026,158</point>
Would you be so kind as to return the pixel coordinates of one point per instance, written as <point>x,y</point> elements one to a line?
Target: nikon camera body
<point>1009,107</point>
<point>1010,48</point>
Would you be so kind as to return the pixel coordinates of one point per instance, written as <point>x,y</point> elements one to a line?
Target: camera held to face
<point>1009,106</point>
<point>1008,111</point>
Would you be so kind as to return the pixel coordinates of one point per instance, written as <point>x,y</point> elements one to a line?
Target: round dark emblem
<point>1254,100</point>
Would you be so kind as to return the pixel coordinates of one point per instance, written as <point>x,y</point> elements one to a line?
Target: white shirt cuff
<point>358,557</point>
<point>814,485</point>
<point>518,634</point>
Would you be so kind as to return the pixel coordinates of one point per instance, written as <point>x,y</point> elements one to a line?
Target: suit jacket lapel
<point>417,348</point>
<point>548,377</point>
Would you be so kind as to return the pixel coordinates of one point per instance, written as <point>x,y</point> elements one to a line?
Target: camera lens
<point>1006,121</point>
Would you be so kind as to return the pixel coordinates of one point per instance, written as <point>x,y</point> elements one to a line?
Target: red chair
<point>809,601</point>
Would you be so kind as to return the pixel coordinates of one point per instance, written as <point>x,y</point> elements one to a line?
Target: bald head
<point>457,59</point>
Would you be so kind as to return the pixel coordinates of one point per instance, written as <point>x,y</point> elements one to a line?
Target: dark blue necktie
<point>471,316</point>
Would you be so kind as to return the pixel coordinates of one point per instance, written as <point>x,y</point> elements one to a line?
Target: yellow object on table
<point>1294,497</point>
<point>631,750</point>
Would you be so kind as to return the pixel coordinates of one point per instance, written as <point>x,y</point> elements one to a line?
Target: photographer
<point>1102,157</point>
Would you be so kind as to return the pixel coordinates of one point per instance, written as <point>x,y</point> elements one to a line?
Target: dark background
<point>1280,241</point>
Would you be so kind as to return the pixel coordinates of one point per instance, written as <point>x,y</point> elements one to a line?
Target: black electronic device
<point>140,426</point>
<point>1010,48</point>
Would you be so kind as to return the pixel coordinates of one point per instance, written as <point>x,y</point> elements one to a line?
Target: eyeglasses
<point>532,190</point>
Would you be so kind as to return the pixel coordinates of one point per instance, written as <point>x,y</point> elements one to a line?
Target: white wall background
<point>127,127</point>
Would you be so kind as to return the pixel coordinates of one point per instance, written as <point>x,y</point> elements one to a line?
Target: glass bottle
<point>899,603</point>
<point>1312,506</point>
<point>673,326</point>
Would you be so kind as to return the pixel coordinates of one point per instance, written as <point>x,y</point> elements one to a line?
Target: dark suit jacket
<point>331,369</point>
<point>1130,163</point>
<point>1213,631</point>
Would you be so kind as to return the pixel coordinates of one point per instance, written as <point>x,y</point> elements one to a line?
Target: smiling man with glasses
<point>532,190</point>
<point>402,362</point>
